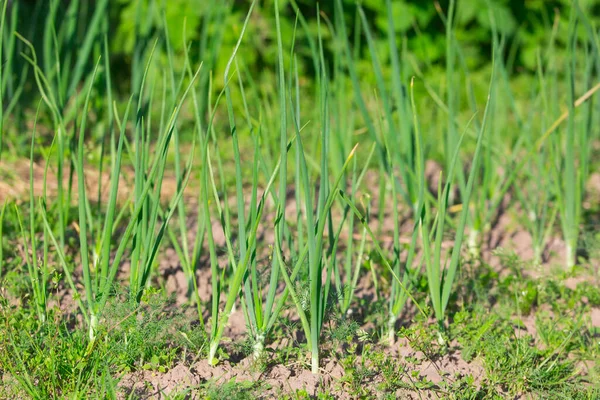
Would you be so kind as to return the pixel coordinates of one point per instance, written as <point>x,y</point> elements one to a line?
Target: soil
<point>282,379</point>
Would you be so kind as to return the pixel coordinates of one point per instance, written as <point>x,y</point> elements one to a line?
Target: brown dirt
<point>14,181</point>
<point>593,184</point>
<point>288,379</point>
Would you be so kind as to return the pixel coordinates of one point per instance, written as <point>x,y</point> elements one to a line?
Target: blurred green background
<point>69,38</point>
<point>132,26</point>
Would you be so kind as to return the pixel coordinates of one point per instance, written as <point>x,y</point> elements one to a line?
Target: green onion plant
<point>441,271</point>
<point>571,153</point>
